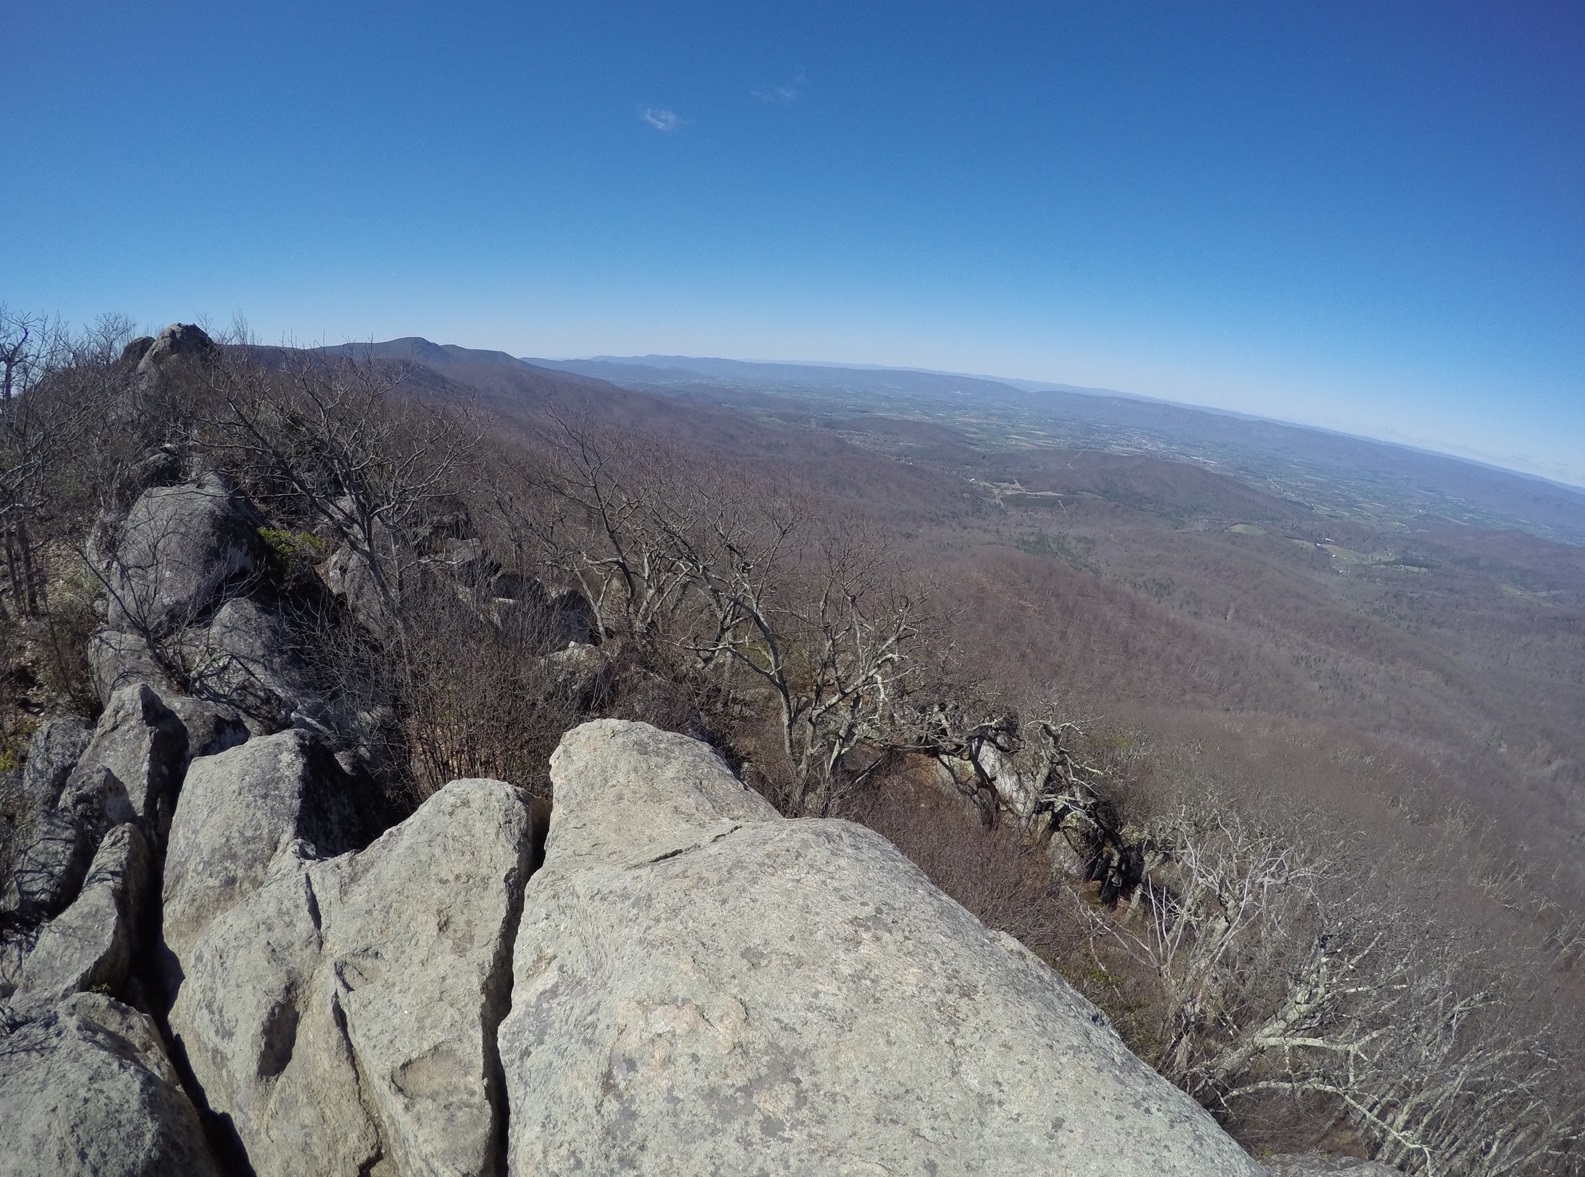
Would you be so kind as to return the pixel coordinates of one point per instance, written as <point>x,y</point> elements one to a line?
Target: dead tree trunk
<point>32,587</point>
<point>14,573</point>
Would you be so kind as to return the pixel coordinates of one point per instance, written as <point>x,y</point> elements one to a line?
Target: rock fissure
<point>360,1084</point>
<point>498,994</point>
<point>690,848</point>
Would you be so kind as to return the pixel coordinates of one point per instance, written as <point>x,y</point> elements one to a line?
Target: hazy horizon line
<point>1470,456</point>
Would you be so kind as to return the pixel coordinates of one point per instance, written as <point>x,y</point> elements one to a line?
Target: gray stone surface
<point>240,811</point>
<point>144,746</point>
<point>702,987</point>
<point>95,800</point>
<point>345,1010</point>
<point>48,871</point>
<point>211,728</point>
<point>117,660</point>
<point>179,551</point>
<point>127,769</point>
<point>52,754</point>
<point>245,660</point>
<point>15,944</point>
<point>348,577</point>
<point>177,339</point>
<point>88,1092</point>
<point>90,945</point>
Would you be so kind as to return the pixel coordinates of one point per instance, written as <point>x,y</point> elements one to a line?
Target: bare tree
<point>749,584</point>
<point>1280,976</point>
<point>336,437</point>
<point>38,428</point>
<point>22,453</point>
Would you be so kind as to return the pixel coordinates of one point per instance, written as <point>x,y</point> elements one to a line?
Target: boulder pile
<point>689,984</point>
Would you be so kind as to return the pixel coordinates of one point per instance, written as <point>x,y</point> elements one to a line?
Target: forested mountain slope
<point>288,631</point>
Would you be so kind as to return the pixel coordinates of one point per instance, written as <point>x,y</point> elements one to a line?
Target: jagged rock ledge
<point>689,984</point>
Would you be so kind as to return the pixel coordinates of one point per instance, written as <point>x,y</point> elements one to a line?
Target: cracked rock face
<point>702,987</point>
<point>342,1013</point>
<point>143,746</point>
<point>127,771</point>
<point>90,944</point>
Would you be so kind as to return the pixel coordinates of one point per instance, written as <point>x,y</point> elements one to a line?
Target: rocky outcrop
<point>117,660</point>
<point>209,728</point>
<point>88,1092</point>
<point>246,657</point>
<point>247,807</point>
<point>1031,774</point>
<point>349,578</point>
<point>201,613</point>
<point>700,986</point>
<point>52,754</point>
<point>178,551</point>
<point>176,340</point>
<point>342,1011</point>
<point>143,746</point>
<point>120,781</point>
<point>49,868</point>
<point>690,984</point>
<point>90,944</point>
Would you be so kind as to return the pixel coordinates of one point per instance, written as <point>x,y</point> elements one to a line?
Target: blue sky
<point>1365,215</point>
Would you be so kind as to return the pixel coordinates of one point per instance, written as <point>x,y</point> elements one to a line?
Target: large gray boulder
<point>173,342</point>
<point>210,728</point>
<point>178,553</point>
<point>343,1011</point>
<point>245,660</point>
<point>702,987</point>
<point>90,945</point>
<point>48,871</point>
<point>348,577</point>
<point>130,771</point>
<point>117,660</point>
<point>143,745</point>
<point>240,811</point>
<point>52,754</point>
<point>88,1092</point>
<point>260,667</point>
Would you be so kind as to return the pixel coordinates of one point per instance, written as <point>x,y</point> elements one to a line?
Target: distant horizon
<point>1471,456</point>
<point>1367,218</point>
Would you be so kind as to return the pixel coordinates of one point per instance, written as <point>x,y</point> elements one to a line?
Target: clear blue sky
<point>1361,213</point>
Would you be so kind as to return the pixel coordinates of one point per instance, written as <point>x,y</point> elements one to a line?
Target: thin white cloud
<point>785,94</point>
<point>663,120</point>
